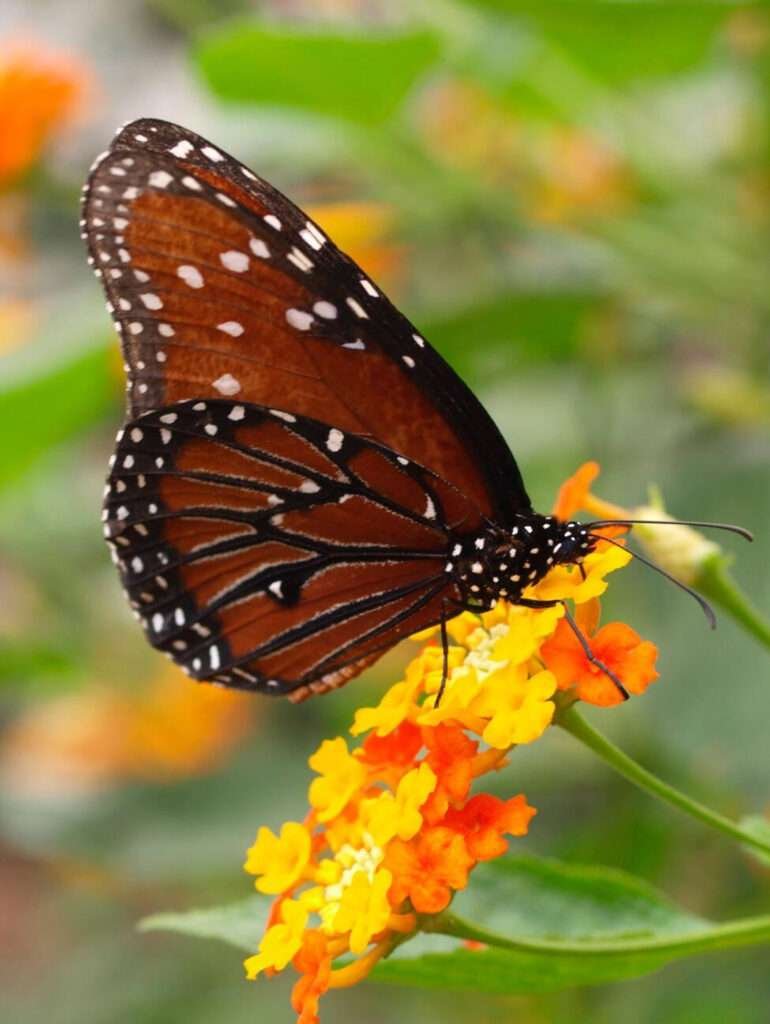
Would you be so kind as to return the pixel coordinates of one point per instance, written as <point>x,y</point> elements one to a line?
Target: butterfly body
<point>499,563</point>
<point>302,481</point>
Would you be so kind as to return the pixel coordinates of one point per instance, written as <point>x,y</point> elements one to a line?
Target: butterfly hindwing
<point>221,287</point>
<point>271,551</point>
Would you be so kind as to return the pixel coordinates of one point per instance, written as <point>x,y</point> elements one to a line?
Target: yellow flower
<point>279,860</point>
<point>364,909</point>
<point>521,713</point>
<point>388,815</point>
<point>393,709</point>
<point>281,942</point>
<point>341,775</point>
<point>518,638</point>
<point>565,581</point>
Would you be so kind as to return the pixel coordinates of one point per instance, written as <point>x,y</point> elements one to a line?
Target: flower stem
<point>573,723</point>
<point>715,582</point>
<point>750,931</point>
<point>352,974</point>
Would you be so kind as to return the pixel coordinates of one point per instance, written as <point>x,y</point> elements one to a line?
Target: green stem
<point>714,582</point>
<point>569,719</point>
<point>750,931</point>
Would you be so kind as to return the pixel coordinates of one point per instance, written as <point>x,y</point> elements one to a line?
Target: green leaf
<point>19,661</point>
<point>239,924</point>
<point>538,327</point>
<point>574,926</point>
<point>543,898</point>
<point>619,43</point>
<point>362,79</point>
<point>41,411</point>
<point>556,913</point>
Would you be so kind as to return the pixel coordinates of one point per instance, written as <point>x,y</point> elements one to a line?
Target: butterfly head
<point>571,541</point>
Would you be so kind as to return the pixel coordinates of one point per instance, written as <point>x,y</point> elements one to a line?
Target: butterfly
<point>302,480</point>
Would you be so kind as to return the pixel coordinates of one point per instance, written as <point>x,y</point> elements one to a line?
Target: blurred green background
<point>572,201</point>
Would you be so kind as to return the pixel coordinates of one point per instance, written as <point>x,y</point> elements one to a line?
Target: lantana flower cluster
<point>395,825</point>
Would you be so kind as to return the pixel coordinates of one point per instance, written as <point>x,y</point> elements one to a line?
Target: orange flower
<point>392,755</point>
<point>314,964</point>
<point>484,821</point>
<point>39,90</point>
<point>572,493</point>
<point>427,868</point>
<point>450,755</point>
<point>618,646</point>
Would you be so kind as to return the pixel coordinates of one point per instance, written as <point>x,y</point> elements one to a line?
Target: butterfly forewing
<point>271,551</point>
<point>220,286</point>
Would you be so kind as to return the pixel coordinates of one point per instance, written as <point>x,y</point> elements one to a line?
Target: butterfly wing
<point>220,286</point>
<point>273,552</point>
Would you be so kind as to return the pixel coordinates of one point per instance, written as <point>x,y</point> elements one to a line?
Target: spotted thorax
<point>501,564</point>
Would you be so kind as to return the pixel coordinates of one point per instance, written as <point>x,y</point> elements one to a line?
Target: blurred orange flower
<point>96,737</point>
<point>560,173</point>
<point>40,90</point>
<point>361,229</point>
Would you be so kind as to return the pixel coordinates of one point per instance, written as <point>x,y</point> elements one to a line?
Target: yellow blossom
<point>280,861</point>
<point>364,908</point>
<point>567,582</point>
<point>341,775</point>
<point>394,708</point>
<point>388,815</point>
<point>522,713</point>
<point>280,942</point>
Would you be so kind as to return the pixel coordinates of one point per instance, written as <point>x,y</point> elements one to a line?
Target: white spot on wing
<point>325,309</point>
<point>259,248</point>
<point>160,179</point>
<point>182,149</point>
<point>227,385</point>
<point>299,318</point>
<point>357,308</point>
<point>231,327</point>
<point>334,440</point>
<point>190,275</point>
<point>238,262</point>
<point>300,260</point>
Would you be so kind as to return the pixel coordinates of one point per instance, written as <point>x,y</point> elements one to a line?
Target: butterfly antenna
<point>708,611</point>
<point>729,527</point>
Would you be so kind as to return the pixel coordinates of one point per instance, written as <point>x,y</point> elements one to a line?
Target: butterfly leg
<point>569,618</point>
<point>445,651</point>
